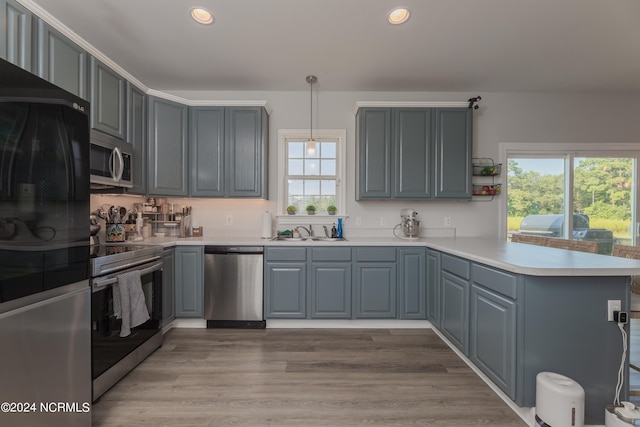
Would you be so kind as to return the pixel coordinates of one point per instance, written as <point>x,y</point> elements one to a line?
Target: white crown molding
<point>59,26</point>
<point>411,104</point>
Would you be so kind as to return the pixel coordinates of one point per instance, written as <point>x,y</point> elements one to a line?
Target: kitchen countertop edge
<point>513,257</point>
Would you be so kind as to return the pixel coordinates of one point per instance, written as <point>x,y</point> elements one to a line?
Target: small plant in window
<point>331,210</point>
<point>311,210</point>
<point>291,210</point>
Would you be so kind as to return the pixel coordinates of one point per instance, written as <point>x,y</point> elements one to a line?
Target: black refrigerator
<point>45,360</point>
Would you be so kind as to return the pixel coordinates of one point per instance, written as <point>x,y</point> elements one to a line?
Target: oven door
<point>108,348</point>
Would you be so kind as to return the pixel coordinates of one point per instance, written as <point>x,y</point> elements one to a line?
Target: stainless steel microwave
<point>110,162</point>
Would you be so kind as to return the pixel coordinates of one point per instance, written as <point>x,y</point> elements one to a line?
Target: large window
<point>578,194</point>
<point>312,178</point>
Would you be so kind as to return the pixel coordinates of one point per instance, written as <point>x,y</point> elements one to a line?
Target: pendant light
<point>311,143</point>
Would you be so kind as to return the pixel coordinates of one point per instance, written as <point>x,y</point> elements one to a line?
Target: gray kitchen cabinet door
<point>167,148</point>
<point>168,286</point>
<point>493,337</point>
<point>108,100</point>
<point>207,150</point>
<point>433,287</point>
<point>285,290</point>
<point>374,153</point>
<point>411,283</point>
<point>246,138</point>
<point>375,290</point>
<point>189,284</point>
<point>330,290</point>
<point>15,26</point>
<point>137,137</point>
<point>60,61</point>
<point>453,153</point>
<point>454,321</point>
<point>413,167</point>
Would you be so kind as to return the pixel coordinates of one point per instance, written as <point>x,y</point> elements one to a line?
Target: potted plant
<point>331,210</point>
<point>311,210</point>
<point>291,210</point>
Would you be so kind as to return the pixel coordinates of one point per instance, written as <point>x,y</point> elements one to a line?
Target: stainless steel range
<point>113,355</point>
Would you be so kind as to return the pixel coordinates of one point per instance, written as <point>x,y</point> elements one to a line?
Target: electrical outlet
<point>358,221</point>
<point>229,220</point>
<point>383,221</point>
<point>613,305</point>
<point>447,221</point>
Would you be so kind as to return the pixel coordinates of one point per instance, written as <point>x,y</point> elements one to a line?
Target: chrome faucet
<point>326,232</point>
<point>308,230</point>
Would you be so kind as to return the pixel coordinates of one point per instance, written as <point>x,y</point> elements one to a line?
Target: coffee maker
<point>410,225</point>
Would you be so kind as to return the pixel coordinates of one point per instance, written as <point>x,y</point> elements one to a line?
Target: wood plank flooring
<point>302,377</point>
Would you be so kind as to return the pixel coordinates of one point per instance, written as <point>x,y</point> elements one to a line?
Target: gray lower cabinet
<point>433,287</point>
<point>285,285</point>
<point>454,304</point>
<point>493,310</point>
<point>189,284</point>
<point>411,283</point>
<point>375,289</point>
<point>108,100</point>
<point>168,286</point>
<point>60,61</point>
<point>167,148</point>
<point>15,26</point>
<point>137,137</point>
<point>330,283</point>
<point>414,153</point>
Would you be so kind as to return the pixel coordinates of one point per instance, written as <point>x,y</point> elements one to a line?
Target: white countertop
<point>514,257</point>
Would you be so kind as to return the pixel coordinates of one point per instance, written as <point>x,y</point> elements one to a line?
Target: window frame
<point>340,136</point>
<point>569,151</point>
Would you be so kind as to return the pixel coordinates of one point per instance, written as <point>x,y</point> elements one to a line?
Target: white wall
<point>502,117</point>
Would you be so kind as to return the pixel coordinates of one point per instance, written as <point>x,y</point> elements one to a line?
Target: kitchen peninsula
<point>512,309</point>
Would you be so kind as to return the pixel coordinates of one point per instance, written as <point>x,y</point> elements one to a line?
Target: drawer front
<point>285,254</point>
<point>376,254</point>
<point>457,266</point>
<point>331,254</point>
<point>496,280</point>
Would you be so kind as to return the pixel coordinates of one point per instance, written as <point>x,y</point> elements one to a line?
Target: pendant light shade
<point>311,143</point>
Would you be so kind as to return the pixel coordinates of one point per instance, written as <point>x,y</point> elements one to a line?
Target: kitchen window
<point>573,192</point>
<point>311,179</point>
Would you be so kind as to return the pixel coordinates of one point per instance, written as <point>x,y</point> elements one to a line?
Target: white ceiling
<point>447,45</point>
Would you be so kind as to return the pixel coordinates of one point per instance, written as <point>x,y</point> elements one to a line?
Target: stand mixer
<point>410,225</point>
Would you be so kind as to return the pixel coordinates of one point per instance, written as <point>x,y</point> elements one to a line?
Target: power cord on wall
<point>621,318</point>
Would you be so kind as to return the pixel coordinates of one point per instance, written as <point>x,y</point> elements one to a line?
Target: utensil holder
<point>115,232</point>
<point>185,226</point>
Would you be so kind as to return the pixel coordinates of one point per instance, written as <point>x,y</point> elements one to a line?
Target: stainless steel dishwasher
<point>233,287</point>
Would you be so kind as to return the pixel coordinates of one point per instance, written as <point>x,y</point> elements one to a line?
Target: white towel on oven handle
<point>128,302</point>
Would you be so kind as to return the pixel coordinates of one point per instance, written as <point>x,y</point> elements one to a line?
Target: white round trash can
<point>559,401</point>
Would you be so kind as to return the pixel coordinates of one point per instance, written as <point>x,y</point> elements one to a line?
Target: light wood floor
<point>302,377</point>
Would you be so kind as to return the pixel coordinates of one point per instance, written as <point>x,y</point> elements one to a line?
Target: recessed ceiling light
<point>398,16</point>
<point>201,15</point>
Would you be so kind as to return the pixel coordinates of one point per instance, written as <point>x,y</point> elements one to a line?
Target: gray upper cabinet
<point>137,137</point>
<point>228,148</point>
<point>414,153</point>
<point>206,146</point>
<point>167,148</point>
<point>60,61</point>
<point>453,153</point>
<point>15,27</point>
<point>108,100</point>
<point>246,138</point>
<point>374,153</point>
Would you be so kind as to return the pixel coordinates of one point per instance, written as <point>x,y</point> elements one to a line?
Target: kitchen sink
<point>308,239</point>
